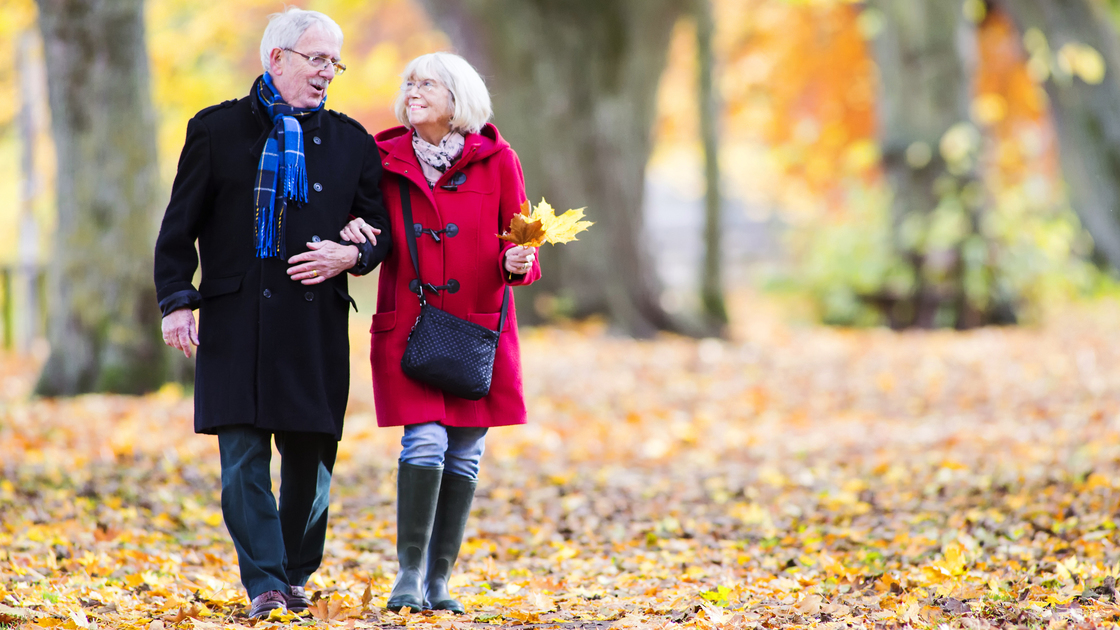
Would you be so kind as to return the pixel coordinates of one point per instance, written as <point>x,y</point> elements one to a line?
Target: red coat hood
<point>398,141</point>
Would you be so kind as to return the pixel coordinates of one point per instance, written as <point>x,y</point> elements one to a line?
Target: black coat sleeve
<point>368,206</point>
<point>175,257</point>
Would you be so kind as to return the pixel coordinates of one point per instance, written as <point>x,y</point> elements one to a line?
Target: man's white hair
<point>285,29</point>
<point>470,100</point>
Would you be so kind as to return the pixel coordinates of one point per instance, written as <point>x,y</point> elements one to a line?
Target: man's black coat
<point>273,353</point>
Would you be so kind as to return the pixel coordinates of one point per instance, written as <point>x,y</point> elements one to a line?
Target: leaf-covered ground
<point>795,476</point>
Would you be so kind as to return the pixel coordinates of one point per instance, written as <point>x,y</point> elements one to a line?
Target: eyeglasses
<point>319,62</point>
<point>427,85</point>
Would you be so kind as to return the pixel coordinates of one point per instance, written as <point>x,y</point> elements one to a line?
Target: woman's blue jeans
<point>457,449</point>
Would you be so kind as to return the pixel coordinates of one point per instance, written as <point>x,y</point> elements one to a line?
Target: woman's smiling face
<point>429,104</point>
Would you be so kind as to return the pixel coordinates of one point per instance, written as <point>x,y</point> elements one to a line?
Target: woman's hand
<point>519,260</point>
<point>357,231</point>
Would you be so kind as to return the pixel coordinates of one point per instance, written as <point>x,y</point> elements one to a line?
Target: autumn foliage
<point>793,476</point>
<point>533,227</point>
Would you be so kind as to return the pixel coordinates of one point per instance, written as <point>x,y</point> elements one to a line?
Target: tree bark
<point>711,282</point>
<point>31,123</point>
<point>103,322</point>
<point>574,85</point>
<point>1086,115</point>
<point>926,70</point>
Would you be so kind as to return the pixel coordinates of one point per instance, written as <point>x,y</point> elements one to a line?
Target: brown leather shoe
<point>265,603</point>
<point>297,599</point>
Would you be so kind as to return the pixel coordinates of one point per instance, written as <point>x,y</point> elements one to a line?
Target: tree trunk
<point>711,282</point>
<point>103,324</point>
<point>1085,106</point>
<point>929,150</point>
<point>574,85</point>
<point>31,123</point>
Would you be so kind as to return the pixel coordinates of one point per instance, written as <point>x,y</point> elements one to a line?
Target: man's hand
<point>357,231</point>
<point>179,330</point>
<point>325,259</point>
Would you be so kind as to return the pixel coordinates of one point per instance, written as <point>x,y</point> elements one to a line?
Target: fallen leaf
<point>810,605</point>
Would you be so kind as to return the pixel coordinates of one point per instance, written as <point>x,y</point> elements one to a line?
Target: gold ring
<point>314,273</point>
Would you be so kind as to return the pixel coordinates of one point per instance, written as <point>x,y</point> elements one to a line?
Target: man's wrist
<point>358,262</point>
<point>185,299</point>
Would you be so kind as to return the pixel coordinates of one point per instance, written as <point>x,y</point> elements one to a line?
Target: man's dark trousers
<point>276,548</point>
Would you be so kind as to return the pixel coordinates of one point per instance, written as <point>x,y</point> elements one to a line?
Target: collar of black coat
<point>309,124</point>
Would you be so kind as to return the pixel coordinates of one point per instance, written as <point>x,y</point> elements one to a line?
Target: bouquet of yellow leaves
<point>534,227</point>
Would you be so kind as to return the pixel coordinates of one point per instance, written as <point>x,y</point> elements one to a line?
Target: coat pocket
<point>383,321</point>
<point>213,287</point>
<point>489,320</point>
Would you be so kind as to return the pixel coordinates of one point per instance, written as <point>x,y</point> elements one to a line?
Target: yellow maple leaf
<point>562,228</point>
<point>534,227</point>
<point>954,562</point>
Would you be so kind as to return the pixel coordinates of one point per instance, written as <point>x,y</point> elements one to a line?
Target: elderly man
<point>263,183</point>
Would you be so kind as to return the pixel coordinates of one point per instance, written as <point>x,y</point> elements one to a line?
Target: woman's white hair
<point>470,99</point>
<point>285,29</point>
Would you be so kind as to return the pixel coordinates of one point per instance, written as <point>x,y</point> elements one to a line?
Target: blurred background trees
<point>575,87</point>
<point>929,149</point>
<point>1072,48</point>
<point>949,163</point>
<point>103,323</point>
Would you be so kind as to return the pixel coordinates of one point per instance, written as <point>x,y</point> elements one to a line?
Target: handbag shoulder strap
<point>502,317</point>
<point>410,236</point>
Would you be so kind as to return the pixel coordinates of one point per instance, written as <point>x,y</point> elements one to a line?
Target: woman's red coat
<point>482,207</point>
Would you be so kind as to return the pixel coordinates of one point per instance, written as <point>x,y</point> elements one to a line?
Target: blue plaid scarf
<point>285,139</point>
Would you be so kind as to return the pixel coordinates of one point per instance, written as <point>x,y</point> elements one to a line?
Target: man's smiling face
<point>300,84</point>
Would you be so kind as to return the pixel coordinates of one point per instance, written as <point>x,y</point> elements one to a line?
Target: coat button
<point>309,296</point>
<point>316,239</point>
<point>318,187</point>
<point>267,293</point>
<point>317,140</point>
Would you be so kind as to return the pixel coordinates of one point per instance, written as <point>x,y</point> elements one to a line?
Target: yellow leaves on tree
<point>534,227</point>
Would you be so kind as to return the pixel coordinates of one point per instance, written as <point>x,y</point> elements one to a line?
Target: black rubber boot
<point>417,494</point>
<point>455,496</point>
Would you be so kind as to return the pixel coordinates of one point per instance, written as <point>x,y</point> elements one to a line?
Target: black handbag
<point>445,351</point>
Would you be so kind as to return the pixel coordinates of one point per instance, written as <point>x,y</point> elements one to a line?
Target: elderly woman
<point>464,185</point>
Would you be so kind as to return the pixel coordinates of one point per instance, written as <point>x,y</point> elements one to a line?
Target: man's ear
<point>276,62</point>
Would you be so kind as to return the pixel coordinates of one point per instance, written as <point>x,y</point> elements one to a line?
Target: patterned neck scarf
<point>436,159</point>
<point>287,177</point>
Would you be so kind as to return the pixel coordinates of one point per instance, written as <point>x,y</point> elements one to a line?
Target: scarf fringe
<point>270,231</point>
